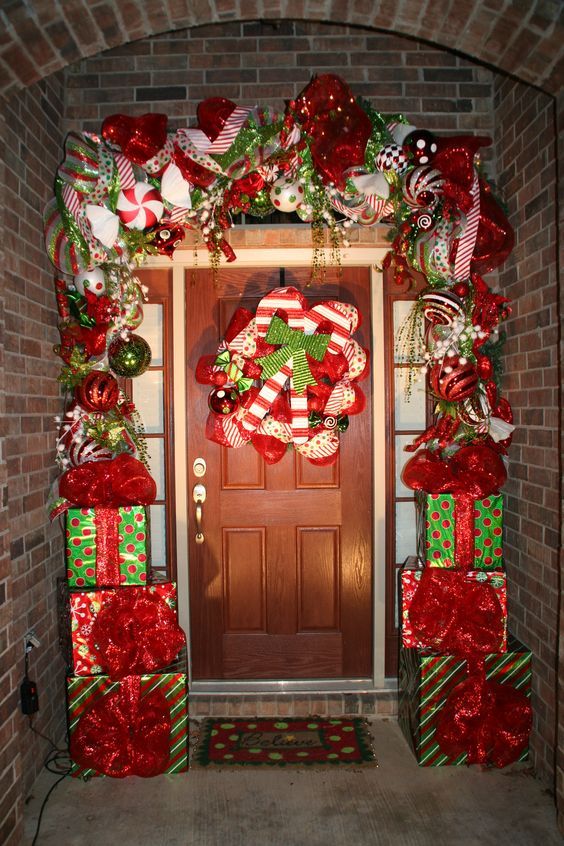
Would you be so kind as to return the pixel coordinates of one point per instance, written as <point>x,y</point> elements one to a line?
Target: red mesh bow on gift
<point>472,473</point>
<point>124,733</point>
<point>489,721</point>
<point>451,614</point>
<point>123,480</point>
<point>136,632</point>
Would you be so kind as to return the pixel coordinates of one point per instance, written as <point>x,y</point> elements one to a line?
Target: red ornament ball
<point>223,400</point>
<point>461,289</point>
<point>98,392</point>
<point>422,145</point>
<point>453,379</point>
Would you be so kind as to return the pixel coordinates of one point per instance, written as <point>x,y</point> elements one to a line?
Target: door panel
<point>281,588</point>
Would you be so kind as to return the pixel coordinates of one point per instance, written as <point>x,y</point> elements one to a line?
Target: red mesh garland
<point>123,735</point>
<point>136,632</point>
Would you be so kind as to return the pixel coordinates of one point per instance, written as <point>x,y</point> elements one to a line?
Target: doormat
<point>279,742</point>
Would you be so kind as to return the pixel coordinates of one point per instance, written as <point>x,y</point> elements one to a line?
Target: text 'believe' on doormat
<point>309,741</point>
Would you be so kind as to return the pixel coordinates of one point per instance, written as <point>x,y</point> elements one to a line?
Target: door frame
<point>370,257</point>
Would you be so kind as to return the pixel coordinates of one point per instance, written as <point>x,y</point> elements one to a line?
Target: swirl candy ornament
<point>422,186</point>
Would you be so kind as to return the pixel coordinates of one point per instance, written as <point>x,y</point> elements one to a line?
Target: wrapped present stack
<point>464,683</point>
<point>126,687</point>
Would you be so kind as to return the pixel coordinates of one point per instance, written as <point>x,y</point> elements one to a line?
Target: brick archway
<point>41,39</point>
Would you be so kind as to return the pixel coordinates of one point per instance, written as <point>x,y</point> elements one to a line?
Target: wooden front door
<point>281,587</point>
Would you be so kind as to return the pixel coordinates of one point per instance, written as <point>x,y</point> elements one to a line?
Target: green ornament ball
<point>129,357</point>
<point>261,204</point>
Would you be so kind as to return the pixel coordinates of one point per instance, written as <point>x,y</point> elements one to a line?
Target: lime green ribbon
<point>235,373</point>
<point>295,346</point>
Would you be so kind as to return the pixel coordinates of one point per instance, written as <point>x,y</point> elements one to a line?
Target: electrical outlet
<point>30,641</point>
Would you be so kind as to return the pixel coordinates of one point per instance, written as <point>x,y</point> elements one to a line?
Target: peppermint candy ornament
<point>140,207</point>
<point>392,157</point>
<point>422,186</point>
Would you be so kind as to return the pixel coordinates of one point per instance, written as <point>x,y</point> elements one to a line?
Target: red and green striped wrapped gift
<point>106,547</point>
<point>439,531</point>
<point>425,682</point>
<point>84,691</point>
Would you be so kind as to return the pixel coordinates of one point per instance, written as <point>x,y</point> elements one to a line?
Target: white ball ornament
<point>286,195</point>
<point>91,280</point>
<point>140,207</point>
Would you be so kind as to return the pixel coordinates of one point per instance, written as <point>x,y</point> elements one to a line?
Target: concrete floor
<point>395,804</point>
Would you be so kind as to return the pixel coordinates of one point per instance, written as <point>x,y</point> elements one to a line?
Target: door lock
<point>199,467</point>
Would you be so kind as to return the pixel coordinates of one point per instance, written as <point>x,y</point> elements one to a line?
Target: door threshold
<point>329,698</point>
<point>235,687</point>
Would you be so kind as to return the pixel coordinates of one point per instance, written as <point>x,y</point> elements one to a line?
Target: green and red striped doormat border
<point>280,741</point>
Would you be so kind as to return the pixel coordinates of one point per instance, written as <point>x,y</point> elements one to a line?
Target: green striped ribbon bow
<point>295,346</point>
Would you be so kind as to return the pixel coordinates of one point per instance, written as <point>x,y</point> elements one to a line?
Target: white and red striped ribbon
<point>125,171</point>
<point>286,299</point>
<point>341,330</point>
<point>232,432</point>
<point>178,213</point>
<point>300,422</point>
<point>336,399</point>
<point>226,137</point>
<point>229,132</point>
<point>265,397</point>
<point>467,240</point>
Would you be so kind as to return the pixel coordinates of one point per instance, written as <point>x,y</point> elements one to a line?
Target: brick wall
<point>270,63</point>
<point>30,550</point>
<point>524,39</point>
<point>526,139</point>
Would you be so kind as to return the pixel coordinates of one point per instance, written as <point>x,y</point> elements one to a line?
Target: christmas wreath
<point>287,375</point>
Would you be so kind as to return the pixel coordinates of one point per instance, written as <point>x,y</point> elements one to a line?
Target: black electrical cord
<point>51,789</point>
<point>57,762</point>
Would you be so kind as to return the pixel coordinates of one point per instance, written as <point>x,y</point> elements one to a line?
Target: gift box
<point>83,659</point>
<point>106,547</point>
<point>111,736</point>
<point>410,578</point>
<point>426,681</point>
<point>437,517</point>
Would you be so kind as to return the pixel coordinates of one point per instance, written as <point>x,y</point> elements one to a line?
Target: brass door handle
<point>199,497</point>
